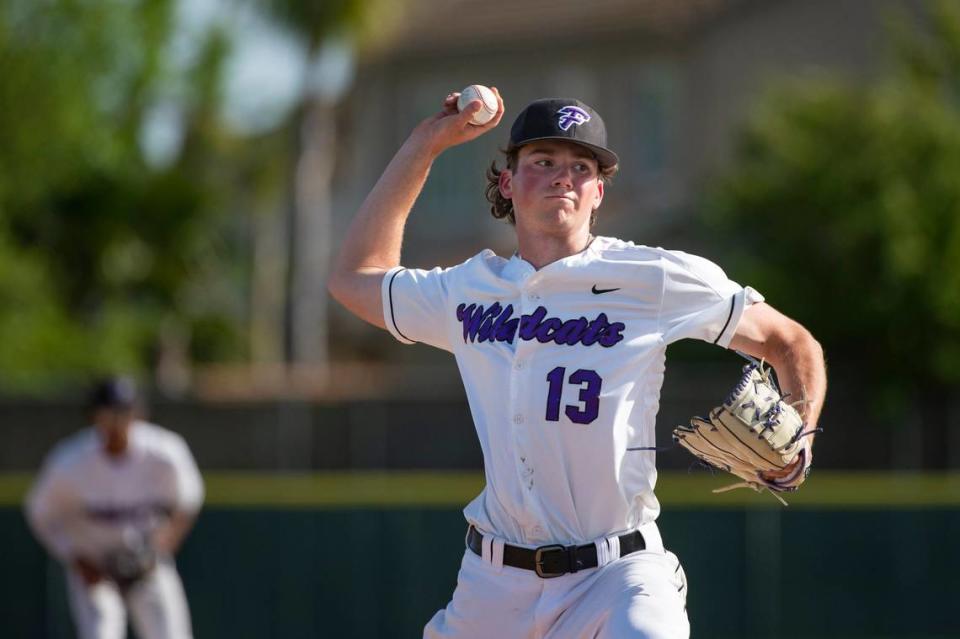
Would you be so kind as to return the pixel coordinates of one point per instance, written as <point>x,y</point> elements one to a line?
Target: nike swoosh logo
<point>601,291</point>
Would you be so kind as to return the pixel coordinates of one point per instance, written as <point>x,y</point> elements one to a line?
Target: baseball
<point>485,95</point>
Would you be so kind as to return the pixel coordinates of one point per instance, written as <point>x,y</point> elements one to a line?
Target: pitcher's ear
<point>506,183</point>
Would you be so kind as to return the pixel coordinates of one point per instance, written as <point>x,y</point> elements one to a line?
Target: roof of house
<point>428,25</point>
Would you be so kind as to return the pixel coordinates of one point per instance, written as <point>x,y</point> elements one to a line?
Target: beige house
<point>672,78</point>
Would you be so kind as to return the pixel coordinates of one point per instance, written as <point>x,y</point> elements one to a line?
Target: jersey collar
<point>518,269</point>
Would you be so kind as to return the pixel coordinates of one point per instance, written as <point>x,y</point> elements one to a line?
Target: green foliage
<point>98,248</point>
<point>846,204</point>
<point>38,337</point>
<point>316,20</point>
<point>108,259</point>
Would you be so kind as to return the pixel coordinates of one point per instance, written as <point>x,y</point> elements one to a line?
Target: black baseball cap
<point>114,392</point>
<point>563,119</point>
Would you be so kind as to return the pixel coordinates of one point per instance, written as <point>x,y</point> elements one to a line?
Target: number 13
<point>589,395</point>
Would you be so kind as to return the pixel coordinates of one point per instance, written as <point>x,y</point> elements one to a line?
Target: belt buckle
<point>538,561</point>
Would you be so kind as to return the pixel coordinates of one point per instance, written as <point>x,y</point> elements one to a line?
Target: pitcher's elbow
<point>336,286</point>
<point>795,341</point>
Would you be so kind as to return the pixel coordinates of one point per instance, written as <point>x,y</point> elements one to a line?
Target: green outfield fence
<point>374,554</point>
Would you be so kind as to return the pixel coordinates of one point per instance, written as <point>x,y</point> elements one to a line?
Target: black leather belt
<point>554,560</point>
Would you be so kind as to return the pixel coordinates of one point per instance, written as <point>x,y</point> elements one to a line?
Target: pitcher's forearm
<point>374,238</point>
<point>802,372</point>
<point>793,352</point>
<point>372,244</point>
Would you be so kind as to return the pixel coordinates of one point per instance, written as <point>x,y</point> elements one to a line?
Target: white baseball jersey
<point>86,502</point>
<point>563,368</point>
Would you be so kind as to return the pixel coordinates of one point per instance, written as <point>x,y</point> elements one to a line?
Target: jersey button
<point>518,365</point>
<point>518,419</point>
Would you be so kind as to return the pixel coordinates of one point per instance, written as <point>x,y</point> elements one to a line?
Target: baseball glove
<point>129,564</point>
<point>755,435</point>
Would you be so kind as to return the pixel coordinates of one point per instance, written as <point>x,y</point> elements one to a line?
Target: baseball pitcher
<point>561,347</point>
<point>113,503</point>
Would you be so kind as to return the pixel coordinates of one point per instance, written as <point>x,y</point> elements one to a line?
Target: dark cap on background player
<point>113,404</point>
<point>566,119</point>
<point>119,393</point>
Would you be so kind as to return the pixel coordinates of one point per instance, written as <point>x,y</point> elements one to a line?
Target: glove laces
<point>756,487</point>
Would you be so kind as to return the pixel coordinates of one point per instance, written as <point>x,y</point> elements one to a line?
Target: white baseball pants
<point>641,595</point>
<point>157,606</point>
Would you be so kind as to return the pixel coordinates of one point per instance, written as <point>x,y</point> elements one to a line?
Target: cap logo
<point>570,115</point>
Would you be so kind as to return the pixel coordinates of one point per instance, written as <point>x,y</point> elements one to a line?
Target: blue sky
<point>265,76</point>
<point>265,72</point>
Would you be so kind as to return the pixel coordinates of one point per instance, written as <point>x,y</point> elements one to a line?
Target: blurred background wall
<point>174,178</point>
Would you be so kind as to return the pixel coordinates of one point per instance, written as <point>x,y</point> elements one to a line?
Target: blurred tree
<point>845,204</point>
<point>330,31</point>
<point>106,256</point>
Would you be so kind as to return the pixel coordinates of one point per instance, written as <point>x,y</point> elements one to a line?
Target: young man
<point>561,348</point>
<point>113,503</point>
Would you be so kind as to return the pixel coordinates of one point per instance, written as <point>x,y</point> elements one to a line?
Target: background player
<point>120,492</point>
<point>561,348</point>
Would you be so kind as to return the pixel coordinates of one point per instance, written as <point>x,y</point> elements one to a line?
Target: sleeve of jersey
<point>414,306</point>
<point>45,506</point>
<point>700,301</point>
<point>190,491</point>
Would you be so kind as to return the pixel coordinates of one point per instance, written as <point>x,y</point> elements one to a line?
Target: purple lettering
<point>508,330</point>
<point>497,327</point>
<point>476,319</point>
<point>570,332</point>
<point>530,323</point>
<point>547,328</point>
<point>594,330</point>
<point>486,327</point>
<point>612,335</point>
<point>466,318</point>
<point>498,324</point>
